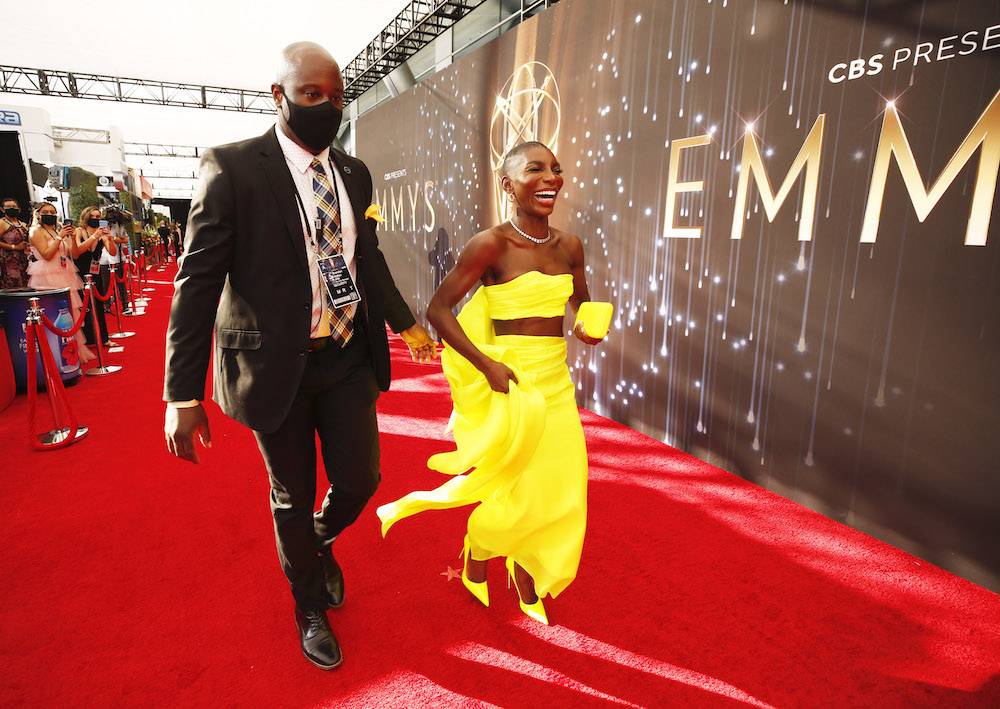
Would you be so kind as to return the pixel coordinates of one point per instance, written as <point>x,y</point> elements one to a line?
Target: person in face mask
<point>54,248</point>
<point>91,243</point>
<point>292,358</point>
<point>164,231</point>
<point>14,246</point>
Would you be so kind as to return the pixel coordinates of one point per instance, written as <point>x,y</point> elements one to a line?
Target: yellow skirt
<point>520,457</point>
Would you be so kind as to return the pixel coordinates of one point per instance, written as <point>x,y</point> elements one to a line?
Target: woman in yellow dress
<point>520,454</point>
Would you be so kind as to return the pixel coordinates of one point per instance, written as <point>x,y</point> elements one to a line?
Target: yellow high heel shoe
<point>536,610</point>
<point>479,589</point>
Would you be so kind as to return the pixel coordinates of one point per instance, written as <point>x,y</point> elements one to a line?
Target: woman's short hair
<point>517,151</point>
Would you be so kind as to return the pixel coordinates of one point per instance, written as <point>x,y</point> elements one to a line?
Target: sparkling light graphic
<point>778,355</point>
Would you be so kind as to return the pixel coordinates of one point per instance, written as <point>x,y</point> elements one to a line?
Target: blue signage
<point>10,118</point>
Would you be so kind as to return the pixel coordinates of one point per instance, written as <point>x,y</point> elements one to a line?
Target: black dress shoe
<point>318,644</point>
<point>333,579</point>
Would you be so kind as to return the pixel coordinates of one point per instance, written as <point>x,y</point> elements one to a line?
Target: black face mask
<point>316,126</point>
<point>49,219</point>
<point>12,212</point>
<point>93,222</point>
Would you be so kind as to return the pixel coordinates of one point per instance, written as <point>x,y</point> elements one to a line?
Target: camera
<point>116,214</point>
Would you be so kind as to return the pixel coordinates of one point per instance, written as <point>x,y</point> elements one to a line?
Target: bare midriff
<point>540,327</point>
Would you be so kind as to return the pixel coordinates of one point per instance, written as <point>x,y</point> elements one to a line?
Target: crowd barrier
<point>67,430</point>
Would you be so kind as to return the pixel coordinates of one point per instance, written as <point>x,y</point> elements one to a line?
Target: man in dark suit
<point>292,356</point>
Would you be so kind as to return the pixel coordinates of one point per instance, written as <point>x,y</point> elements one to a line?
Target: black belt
<point>321,343</point>
<point>318,343</point>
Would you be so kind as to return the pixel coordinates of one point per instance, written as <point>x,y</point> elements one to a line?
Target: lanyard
<point>318,222</point>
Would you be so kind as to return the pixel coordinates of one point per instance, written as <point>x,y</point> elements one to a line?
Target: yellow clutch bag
<point>595,318</point>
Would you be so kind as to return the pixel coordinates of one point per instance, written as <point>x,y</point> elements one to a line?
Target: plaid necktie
<point>330,242</point>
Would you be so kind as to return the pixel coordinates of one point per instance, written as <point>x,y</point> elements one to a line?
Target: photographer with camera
<point>112,259</point>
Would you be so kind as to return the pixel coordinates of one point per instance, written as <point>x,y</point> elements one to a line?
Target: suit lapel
<point>352,181</point>
<point>280,180</point>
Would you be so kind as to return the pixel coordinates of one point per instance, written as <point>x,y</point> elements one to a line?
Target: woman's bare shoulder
<point>569,241</point>
<point>490,241</point>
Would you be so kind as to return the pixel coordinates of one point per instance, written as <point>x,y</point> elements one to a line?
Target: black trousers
<point>88,323</point>
<point>104,280</point>
<point>336,399</point>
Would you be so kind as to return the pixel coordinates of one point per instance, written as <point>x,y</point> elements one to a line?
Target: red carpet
<point>133,579</point>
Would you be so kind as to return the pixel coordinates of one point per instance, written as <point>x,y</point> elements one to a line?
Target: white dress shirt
<point>106,258</point>
<point>299,161</point>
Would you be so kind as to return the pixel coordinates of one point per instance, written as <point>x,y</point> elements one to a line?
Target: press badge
<point>338,280</point>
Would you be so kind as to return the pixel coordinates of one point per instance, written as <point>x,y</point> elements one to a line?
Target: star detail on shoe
<point>452,573</point>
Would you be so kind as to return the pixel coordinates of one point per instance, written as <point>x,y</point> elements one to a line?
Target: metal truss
<point>67,134</point>
<point>101,87</point>
<point>413,28</point>
<point>159,150</point>
<point>171,175</point>
<point>416,26</point>
<point>173,193</point>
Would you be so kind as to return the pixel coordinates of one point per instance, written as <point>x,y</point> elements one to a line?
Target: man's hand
<point>179,427</point>
<point>422,347</point>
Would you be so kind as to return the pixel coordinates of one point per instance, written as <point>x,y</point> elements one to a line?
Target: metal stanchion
<point>56,435</point>
<point>120,335</point>
<point>127,263</point>
<point>142,301</point>
<point>100,369</point>
<point>147,289</point>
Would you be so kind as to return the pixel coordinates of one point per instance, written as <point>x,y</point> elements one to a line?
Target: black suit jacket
<point>245,272</point>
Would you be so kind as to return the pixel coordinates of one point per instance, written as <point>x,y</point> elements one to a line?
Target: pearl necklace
<point>529,237</point>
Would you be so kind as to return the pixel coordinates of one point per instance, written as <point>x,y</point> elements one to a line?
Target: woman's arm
<point>581,292</point>
<point>44,244</point>
<point>111,244</point>
<point>574,249</point>
<point>80,243</point>
<point>478,255</point>
<point>4,226</point>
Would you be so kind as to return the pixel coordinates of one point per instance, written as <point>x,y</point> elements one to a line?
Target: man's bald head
<point>308,78</point>
<point>300,57</point>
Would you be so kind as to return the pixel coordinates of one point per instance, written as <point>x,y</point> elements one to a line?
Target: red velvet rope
<point>57,394</point>
<point>75,328</point>
<point>107,296</point>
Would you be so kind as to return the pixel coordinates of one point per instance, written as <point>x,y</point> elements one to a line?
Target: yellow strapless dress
<point>520,457</point>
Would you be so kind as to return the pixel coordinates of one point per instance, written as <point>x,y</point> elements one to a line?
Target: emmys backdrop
<point>790,209</point>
